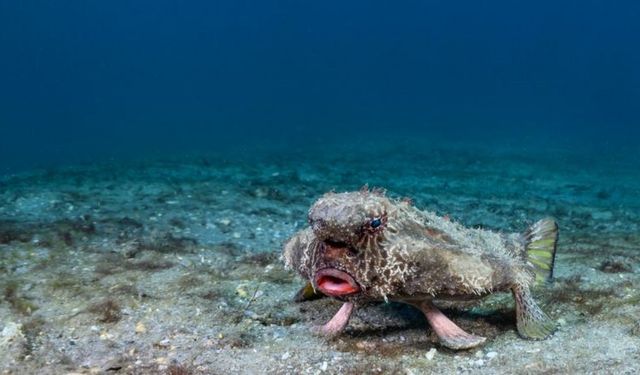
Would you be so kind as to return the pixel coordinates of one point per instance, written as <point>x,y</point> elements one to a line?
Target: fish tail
<point>540,244</point>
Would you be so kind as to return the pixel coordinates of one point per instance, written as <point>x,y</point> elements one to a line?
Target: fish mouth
<point>335,283</point>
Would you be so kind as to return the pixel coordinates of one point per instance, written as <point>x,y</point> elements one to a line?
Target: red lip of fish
<point>336,283</point>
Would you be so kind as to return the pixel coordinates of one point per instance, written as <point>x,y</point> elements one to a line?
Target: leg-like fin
<point>307,293</point>
<point>448,332</point>
<point>532,322</point>
<point>338,322</point>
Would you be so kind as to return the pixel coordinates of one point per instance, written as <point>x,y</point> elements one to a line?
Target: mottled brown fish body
<point>363,246</point>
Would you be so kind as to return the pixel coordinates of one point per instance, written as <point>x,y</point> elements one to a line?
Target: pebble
<point>365,345</point>
<point>285,356</point>
<point>562,321</point>
<point>10,332</point>
<point>491,355</point>
<point>241,291</point>
<point>479,362</point>
<point>324,366</point>
<point>140,328</point>
<point>431,353</point>
<point>162,361</point>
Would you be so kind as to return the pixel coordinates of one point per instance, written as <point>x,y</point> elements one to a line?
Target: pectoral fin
<point>307,293</point>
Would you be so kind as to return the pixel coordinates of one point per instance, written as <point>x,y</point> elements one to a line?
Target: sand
<point>172,265</point>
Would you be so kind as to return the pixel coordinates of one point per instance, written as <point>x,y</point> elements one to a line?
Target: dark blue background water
<point>83,80</point>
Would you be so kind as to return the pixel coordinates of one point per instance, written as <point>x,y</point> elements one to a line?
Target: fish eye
<point>375,222</point>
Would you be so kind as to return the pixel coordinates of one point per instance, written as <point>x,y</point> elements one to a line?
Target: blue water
<point>155,156</point>
<point>93,80</point>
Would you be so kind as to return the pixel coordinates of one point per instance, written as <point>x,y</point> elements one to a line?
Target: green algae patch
<point>68,283</point>
<point>11,294</point>
<point>107,311</point>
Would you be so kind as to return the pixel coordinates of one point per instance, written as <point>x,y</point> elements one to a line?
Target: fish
<point>364,246</point>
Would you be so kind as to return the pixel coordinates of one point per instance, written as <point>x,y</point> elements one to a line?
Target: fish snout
<point>333,251</point>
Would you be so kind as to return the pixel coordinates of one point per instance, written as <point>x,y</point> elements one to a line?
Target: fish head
<point>349,231</point>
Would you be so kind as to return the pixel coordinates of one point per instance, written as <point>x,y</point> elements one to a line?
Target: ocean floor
<point>173,265</point>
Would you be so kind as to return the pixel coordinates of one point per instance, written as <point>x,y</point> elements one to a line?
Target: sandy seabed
<point>172,266</point>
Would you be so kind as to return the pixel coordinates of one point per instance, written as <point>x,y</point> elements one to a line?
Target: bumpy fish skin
<point>414,253</point>
<point>395,251</point>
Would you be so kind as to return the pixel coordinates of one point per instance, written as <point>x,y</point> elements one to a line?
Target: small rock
<point>285,356</point>
<point>241,291</point>
<point>365,345</point>
<point>163,343</point>
<point>479,362</point>
<point>140,328</point>
<point>479,354</point>
<point>11,331</point>
<point>562,321</point>
<point>324,366</point>
<point>430,354</point>
<point>162,361</point>
<point>491,355</point>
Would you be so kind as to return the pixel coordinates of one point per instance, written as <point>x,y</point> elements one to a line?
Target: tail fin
<point>540,244</point>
